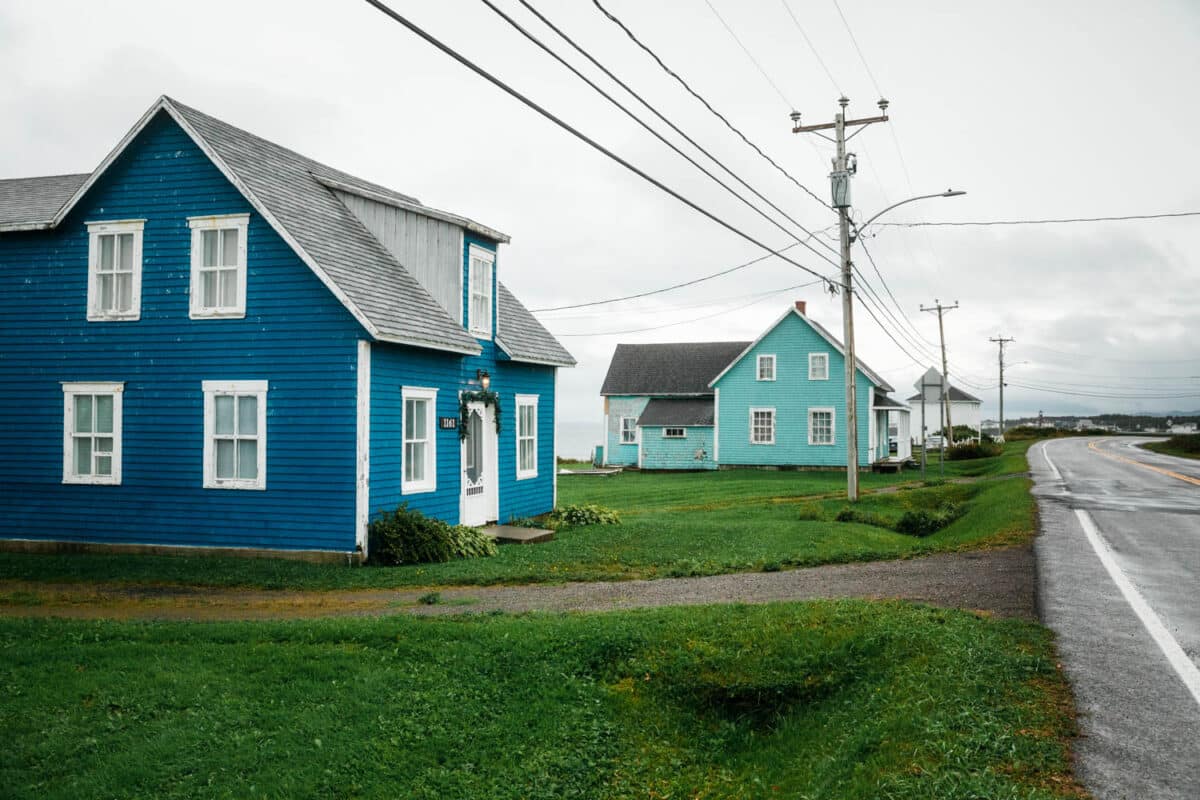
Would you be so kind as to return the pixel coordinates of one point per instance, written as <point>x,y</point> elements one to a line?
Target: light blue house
<point>212,341</point>
<point>778,401</point>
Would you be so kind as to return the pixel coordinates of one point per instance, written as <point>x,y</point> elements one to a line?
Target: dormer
<point>441,250</point>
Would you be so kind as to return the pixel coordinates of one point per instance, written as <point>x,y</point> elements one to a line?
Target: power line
<point>668,308</point>
<point>480,71</point>
<point>704,102</point>
<point>696,319</point>
<point>750,55</point>
<point>811,46</point>
<point>861,57</point>
<point>1112,358</point>
<point>528,6</point>
<point>1107,396</point>
<point>671,288</point>
<point>888,289</point>
<point>1060,221</point>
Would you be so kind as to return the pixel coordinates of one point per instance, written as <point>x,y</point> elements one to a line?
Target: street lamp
<point>858,229</point>
<point>848,238</point>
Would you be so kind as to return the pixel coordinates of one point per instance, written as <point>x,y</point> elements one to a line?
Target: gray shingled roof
<point>881,400</point>
<point>31,203</point>
<point>688,411</point>
<point>957,395</point>
<point>372,281</point>
<point>666,369</point>
<point>523,337</point>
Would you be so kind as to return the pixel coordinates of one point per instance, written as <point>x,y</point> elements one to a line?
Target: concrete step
<point>512,534</point>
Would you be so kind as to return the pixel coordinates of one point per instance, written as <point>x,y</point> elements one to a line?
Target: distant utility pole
<point>941,309</point>
<point>1000,340</point>
<point>844,166</point>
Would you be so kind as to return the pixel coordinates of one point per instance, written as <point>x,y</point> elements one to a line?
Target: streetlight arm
<point>947,193</point>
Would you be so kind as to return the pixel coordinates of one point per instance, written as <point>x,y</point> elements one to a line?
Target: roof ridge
<point>294,153</point>
<point>47,177</point>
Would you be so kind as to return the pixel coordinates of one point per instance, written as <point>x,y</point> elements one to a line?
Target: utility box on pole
<point>839,188</point>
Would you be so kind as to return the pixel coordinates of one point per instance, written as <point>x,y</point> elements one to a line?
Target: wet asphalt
<point>1139,719</point>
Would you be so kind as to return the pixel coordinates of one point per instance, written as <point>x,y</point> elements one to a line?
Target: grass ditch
<point>830,699</point>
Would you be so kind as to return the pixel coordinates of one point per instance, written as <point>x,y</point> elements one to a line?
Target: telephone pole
<point>941,309</point>
<point>1000,340</point>
<point>845,165</point>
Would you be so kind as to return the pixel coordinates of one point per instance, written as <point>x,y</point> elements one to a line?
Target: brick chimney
<point>800,306</point>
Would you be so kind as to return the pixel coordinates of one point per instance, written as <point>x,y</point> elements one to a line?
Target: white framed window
<point>628,430</point>
<point>766,368</point>
<point>92,432</point>
<point>674,433</point>
<point>820,426</point>
<point>527,437</point>
<point>235,434</point>
<point>218,287</point>
<point>762,426</point>
<point>818,366</point>
<point>479,279</point>
<point>115,270</point>
<point>418,420</point>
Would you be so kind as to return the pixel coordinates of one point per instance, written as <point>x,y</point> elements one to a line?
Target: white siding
<point>430,249</point>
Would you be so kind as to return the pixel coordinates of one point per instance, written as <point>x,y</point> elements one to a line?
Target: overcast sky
<point>1039,110</point>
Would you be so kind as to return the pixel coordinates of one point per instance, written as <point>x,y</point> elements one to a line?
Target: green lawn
<point>672,524</point>
<point>1183,446</point>
<point>841,700</point>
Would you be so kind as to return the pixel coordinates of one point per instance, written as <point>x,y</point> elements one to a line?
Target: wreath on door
<point>488,398</point>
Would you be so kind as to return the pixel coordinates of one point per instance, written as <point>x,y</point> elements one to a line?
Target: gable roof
<point>871,374</point>
<point>880,400</point>
<point>956,395</point>
<point>296,196</point>
<point>682,411</point>
<point>667,369</point>
<point>28,204</point>
<point>522,337</point>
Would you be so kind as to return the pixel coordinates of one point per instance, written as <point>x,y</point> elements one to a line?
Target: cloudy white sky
<point>1039,110</point>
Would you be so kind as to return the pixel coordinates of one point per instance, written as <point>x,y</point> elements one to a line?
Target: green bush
<point>407,536</point>
<point>924,522</point>
<point>1186,442</point>
<point>583,514</point>
<point>848,514</point>
<point>969,450</point>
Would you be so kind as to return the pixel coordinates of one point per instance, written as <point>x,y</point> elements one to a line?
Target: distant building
<point>965,409</point>
<point>1182,427</point>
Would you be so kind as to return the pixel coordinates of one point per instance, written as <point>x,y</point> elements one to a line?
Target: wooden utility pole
<point>941,309</point>
<point>843,167</point>
<point>1000,340</point>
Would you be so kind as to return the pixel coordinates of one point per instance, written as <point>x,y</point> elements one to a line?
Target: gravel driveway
<point>1001,582</point>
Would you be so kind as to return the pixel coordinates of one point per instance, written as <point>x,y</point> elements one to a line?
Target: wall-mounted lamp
<point>485,380</point>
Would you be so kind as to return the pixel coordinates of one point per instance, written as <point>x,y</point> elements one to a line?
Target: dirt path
<point>1001,582</point>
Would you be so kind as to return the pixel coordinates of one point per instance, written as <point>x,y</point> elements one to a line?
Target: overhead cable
<point>480,71</point>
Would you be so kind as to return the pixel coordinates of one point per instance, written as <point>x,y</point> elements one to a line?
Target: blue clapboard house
<point>212,341</point>
<point>778,401</point>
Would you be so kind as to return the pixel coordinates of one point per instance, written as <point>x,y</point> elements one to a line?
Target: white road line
<point>1049,463</point>
<point>1183,666</point>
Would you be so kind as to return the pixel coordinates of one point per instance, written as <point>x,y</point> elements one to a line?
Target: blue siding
<point>791,394</point>
<point>617,453</point>
<point>395,366</point>
<point>662,453</point>
<point>295,335</point>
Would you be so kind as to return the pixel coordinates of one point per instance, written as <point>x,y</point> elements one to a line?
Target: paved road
<point>1119,582</point>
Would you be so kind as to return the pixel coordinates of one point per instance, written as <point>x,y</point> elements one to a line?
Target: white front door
<point>478,504</point>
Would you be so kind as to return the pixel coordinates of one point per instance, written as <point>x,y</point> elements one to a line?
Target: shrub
<point>848,514</point>
<point>924,522</point>
<point>969,450</point>
<point>407,536</point>
<point>584,514</point>
<point>1186,442</point>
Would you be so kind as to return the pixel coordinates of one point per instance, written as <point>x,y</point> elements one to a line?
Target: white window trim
<point>832,426</point>
<point>473,253</point>
<point>674,428</point>
<point>211,390</point>
<point>758,367</point>
<point>621,430</point>
<point>241,222</point>
<point>116,226</point>
<point>117,390</point>
<point>429,483</point>
<point>527,400</point>
<point>774,422</point>
<point>810,366</point>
